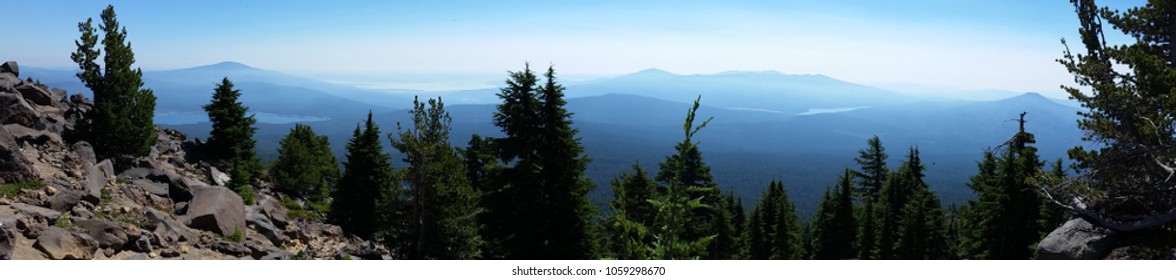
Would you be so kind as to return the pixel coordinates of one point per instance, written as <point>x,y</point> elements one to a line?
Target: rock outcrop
<point>62,244</point>
<point>216,209</point>
<point>167,205</point>
<point>1077,239</point>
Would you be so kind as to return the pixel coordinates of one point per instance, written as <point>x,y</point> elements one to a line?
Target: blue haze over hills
<point>803,129</point>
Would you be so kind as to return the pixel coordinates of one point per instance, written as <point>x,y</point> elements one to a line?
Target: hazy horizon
<point>445,46</point>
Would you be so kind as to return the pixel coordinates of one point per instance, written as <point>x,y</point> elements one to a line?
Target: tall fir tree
<point>835,227</point>
<point>900,189</point>
<point>774,231</point>
<point>786,237</point>
<point>121,124</point>
<point>871,178</point>
<point>484,172</point>
<point>547,214</point>
<point>231,140</point>
<point>1008,203</point>
<point>676,227</point>
<point>691,172</point>
<point>305,167</point>
<point>444,205</point>
<point>367,200</point>
<point>628,227</point>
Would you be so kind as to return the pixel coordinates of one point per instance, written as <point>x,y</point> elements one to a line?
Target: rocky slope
<point>60,202</point>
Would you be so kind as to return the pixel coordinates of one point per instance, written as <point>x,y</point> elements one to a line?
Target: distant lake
<point>175,118</point>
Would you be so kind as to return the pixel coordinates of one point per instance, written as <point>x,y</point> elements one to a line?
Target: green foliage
<point>871,179</point>
<point>305,167</point>
<point>444,205</point>
<point>366,199</point>
<point>536,194</point>
<point>899,197</point>
<point>241,178</point>
<point>1005,214</point>
<point>774,230</point>
<point>297,211</point>
<point>834,227</point>
<point>1128,91</point>
<point>236,237</point>
<point>627,229</point>
<point>231,141</point>
<point>121,123</point>
<point>106,195</point>
<point>685,221</point>
<point>17,189</point>
<point>873,173</point>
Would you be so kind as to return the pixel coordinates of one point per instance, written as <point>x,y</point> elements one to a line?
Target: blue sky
<point>967,45</point>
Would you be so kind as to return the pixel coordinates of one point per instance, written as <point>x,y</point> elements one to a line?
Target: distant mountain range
<point>803,129</point>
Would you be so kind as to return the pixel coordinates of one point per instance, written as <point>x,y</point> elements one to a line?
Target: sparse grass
<point>296,211</point>
<point>117,216</point>
<point>13,190</point>
<point>301,255</point>
<point>236,237</point>
<point>106,195</point>
<point>66,222</point>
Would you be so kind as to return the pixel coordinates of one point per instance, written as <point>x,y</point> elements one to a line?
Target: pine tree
<point>834,228</point>
<point>546,213</point>
<point>690,171</point>
<point>757,235</point>
<point>628,226</point>
<point>231,140</point>
<point>305,167</point>
<point>1053,215</point>
<point>1127,90</point>
<point>121,124</point>
<point>901,188</point>
<point>1008,204</point>
<point>366,200</point>
<point>444,206</point>
<point>484,172</point>
<point>676,224</point>
<point>871,179</point>
<point>786,236</point>
<point>739,224</point>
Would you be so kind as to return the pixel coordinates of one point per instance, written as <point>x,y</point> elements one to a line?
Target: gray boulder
<point>216,209</point>
<point>36,212</point>
<point>216,177</point>
<point>180,187</point>
<point>7,240</point>
<point>167,231</point>
<point>108,234</point>
<point>35,94</point>
<point>85,152</point>
<point>65,199</point>
<point>257,220</point>
<point>1077,239</point>
<point>141,244</point>
<point>14,109</point>
<point>273,209</point>
<point>158,189</point>
<point>26,134</point>
<point>10,67</point>
<point>95,181</point>
<point>231,248</point>
<point>14,166</point>
<point>143,173</point>
<point>62,244</point>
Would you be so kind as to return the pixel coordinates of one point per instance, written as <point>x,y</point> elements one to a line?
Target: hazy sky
<point>982,44</point>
